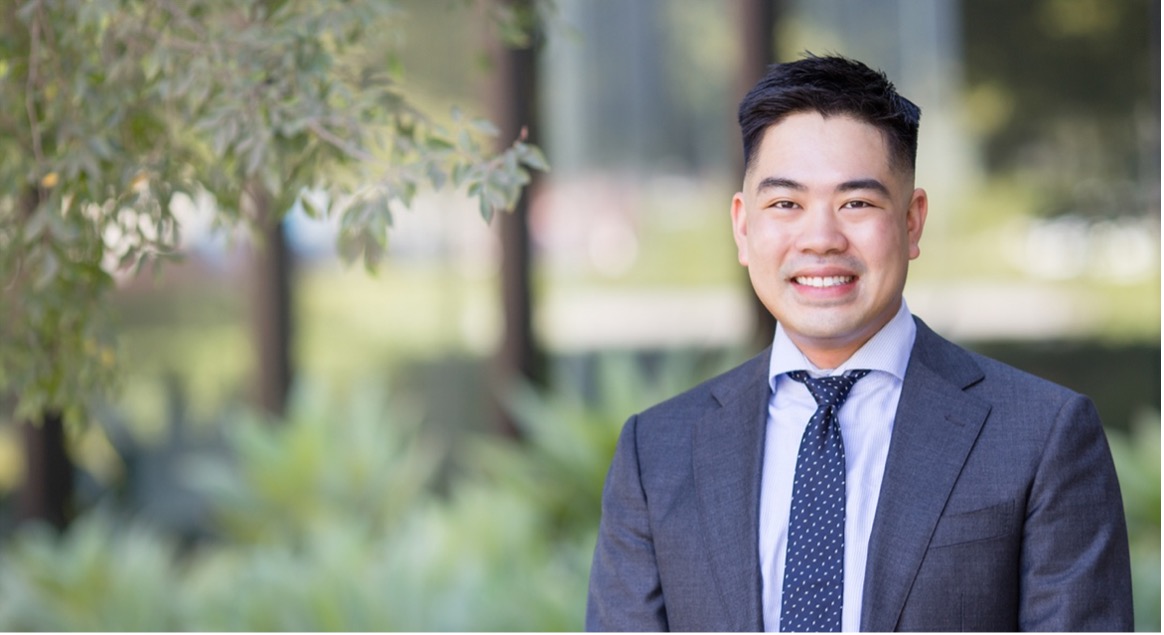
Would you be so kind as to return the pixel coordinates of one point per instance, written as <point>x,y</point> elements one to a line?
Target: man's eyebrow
<point>776,182</point>
<point>864,184</point>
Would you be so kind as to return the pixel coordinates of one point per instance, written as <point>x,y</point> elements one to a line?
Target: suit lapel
<point>935,427</point>
<point>727,452</point>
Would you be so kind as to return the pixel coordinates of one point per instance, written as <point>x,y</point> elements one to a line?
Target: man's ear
<point>740,227</point>
<point>915,221</point>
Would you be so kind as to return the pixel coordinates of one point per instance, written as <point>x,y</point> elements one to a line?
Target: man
<point>862,473</point>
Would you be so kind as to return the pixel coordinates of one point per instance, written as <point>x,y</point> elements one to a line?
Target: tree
<point>515,107</point>
<point>110,108</point>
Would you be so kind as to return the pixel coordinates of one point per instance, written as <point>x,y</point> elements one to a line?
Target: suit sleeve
<point>625,592</point>
<point>1075,569</point>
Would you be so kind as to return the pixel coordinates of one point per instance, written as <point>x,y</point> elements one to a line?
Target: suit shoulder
<point>988,378</point>
<point>981,373</point>
<point>1001,371</point>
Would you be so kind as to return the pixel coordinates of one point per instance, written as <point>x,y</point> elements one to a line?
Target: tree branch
<point>345,147</point>
<point>32,84</point>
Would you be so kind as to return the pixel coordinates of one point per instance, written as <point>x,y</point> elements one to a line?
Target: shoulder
<point>1000,373</point>
<point>985,377</point>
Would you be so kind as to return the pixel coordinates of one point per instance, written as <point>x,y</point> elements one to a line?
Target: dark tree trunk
<point>758,20</point>
<point>271,309</point>
<point>514,107</point>
<point>47,493</point>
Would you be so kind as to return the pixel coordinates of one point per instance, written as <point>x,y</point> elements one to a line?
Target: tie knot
<point>829,391</point>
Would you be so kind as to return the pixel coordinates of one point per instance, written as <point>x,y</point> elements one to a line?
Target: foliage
<point>81,154</point>
<point>310,516</point>
<point>110,108</point>
<point>105,572</point>
<point>282,482</point>
<point>330,522</point>
<point>1066,94</point>
<point>1137,459</point>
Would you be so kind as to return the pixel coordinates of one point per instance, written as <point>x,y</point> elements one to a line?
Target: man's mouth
<point>823,282</point>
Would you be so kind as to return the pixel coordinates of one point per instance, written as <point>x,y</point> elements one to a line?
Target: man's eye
<point>783,204</point>
<point>857,204</point>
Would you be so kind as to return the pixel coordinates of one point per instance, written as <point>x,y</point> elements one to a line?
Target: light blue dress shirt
<point>866,420</point>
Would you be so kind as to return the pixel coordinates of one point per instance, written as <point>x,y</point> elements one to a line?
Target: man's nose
<point>821,232</point>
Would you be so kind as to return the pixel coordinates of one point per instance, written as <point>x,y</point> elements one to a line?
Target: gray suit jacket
<point>999,508</point>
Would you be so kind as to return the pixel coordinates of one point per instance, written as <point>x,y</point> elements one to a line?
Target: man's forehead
<point>813,124</point>
<point>805,140</point>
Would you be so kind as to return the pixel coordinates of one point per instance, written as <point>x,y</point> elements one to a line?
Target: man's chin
<point>831,321</point>
<point>827,329</point>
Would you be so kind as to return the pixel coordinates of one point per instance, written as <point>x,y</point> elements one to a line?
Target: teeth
<point>822,282</point>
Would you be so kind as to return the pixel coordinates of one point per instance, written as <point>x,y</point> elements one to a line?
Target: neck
<point>831,353</point>
<point>829,359</point>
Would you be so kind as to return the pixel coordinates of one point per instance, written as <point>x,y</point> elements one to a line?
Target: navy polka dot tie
<point>814,566</point>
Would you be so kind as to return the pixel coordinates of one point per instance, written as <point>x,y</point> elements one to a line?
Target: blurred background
<point>297,443</point>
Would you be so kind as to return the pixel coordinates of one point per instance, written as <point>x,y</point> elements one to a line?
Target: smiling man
<point>862,473</point>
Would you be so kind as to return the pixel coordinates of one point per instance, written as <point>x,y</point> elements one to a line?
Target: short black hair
<point>831,85</point>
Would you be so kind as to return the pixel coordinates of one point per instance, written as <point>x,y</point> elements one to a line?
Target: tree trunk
<point>514,106</point>
<point>271,310</point>
<point>47,493</point>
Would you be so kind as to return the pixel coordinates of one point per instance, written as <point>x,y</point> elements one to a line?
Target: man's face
<point>826,228</point>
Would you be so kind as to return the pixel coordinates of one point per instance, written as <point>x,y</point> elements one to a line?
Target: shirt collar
<point>887,351</point>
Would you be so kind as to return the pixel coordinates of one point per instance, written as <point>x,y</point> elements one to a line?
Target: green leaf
<point>36,225</point>
<point>348,245</point>
<point>50,266</point>
<point>407,192</point>
<point>379,216</point>
<point>151,66</point>
<point>314,209</point>
<point>465,142</point>
<point>405,128</point>
<point>433,143</point>
<point>487,210</point>
<point>255,157</point>
<point>62,230</point>
<point>532,156</point>
<point>459,174</point>
<point>375,246</point>
<point>100,147</point>
<point>485,127</point>
<point>436,176</point>
<point>394,66</point>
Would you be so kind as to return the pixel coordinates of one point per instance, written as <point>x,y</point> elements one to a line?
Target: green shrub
<point>329,521</point>
<point>1137,459</point>
<point>103,575</point>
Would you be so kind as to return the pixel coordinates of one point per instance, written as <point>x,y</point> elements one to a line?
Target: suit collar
<point>727,456</point>
<point>936,425</point>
